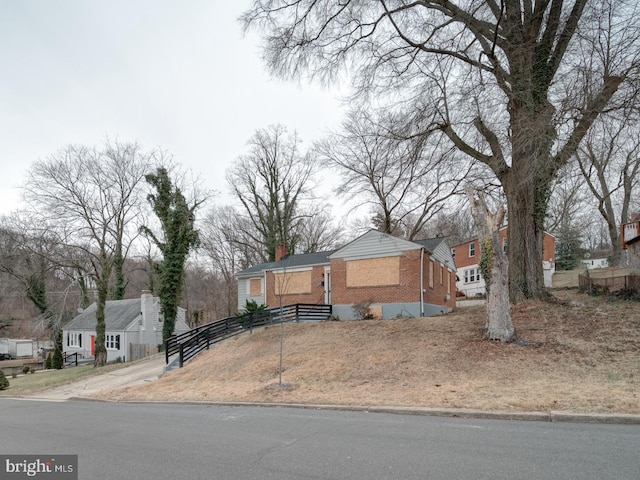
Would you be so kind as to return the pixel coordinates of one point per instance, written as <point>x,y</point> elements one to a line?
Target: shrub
<point>4,381</point>
<point>48,362</point>
<point>361,310</point>
<point>250,306</point>
<point>57,362</point>
<point>26,369</point>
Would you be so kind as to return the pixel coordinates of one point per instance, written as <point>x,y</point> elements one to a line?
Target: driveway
<point>142,371</point>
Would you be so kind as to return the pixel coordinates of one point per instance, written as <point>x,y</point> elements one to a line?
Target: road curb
<point>552,416</point>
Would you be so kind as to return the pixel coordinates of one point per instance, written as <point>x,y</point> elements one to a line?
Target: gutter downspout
<point>264,289</point>
<point>422,282</point>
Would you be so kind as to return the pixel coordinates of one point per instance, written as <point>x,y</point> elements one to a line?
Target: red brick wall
<point>316,296</point>
<point>407,291</point>
<point>437,294</point>
<point>549,248</point>
<point>462,258</point>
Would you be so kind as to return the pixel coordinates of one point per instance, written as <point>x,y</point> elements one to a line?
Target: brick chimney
<point>281,251</point>
<point>149,313</point>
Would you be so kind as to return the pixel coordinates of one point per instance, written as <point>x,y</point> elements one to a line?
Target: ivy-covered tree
<point>176,238</point>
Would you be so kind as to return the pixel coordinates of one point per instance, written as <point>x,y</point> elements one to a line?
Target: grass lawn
<point>45,379</point>
<point>578,354</point>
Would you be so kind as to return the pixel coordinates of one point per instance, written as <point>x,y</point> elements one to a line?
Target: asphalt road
<point>171,441</point>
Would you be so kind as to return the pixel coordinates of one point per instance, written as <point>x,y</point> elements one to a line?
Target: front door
<point>93,345</point>
<point>327,286</point>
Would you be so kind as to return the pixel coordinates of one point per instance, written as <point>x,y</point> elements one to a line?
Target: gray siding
<point>442,253</point>
<point>374,244</point>
<point>393,310</point>
<point>243,291</point>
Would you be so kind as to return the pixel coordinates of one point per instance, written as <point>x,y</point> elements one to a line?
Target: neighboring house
<point>396,277</point>
<point>597,259</point>
<point>467,257</point>
<point>630,233</point>
<point>129,323</point>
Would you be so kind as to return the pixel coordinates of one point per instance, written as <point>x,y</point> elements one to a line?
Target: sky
<point>179,75</point>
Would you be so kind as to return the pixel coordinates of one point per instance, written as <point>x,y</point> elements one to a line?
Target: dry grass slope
<point>585,357</point>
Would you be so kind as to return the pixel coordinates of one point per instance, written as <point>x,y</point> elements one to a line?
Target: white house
<point>599,259</point>
<point>136,321</point>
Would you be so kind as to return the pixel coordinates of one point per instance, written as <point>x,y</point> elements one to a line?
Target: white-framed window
<point>472,249</point>
<point>504,245</point>
<point>112,341</point>
<point>74,339</point>
<point>431,273</point>
<point>472,275</point>
<point>453,252</point>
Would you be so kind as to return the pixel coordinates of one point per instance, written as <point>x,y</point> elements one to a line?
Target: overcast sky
<point>163,73</point>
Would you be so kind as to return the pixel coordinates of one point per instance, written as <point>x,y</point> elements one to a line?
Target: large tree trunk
<point>100,352</point>
<point>527,188</point>
<point>494,267</point>
<point>524,241</point>
<point>499,324</point>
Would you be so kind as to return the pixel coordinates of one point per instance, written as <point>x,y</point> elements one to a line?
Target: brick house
<point>396,277</point>
<point>630,236</point>
<point>466,256</point>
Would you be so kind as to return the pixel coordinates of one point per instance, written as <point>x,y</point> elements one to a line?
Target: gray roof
<point>118,315</point>
<point>319,258</point>
<point>430,243</point>
<point>290,261</point>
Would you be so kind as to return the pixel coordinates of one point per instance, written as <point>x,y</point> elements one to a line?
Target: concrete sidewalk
<point>142,371</point>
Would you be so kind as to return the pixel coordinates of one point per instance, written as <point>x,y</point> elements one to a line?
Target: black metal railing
<point>189,344</point>
<point>69,359</point>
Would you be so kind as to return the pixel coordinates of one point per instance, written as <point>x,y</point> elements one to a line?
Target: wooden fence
<point>611,284</point>
<point>141,350</point>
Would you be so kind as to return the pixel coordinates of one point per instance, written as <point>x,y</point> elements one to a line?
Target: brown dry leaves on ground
<point>585,357</point>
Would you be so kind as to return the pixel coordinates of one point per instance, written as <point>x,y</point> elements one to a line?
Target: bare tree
<point>609,159</point>
<point>271,183</point>
<point>568,204</point>
<point>86,198</point>
<point>493,265</point>
<point>31,261</point>
<point>318,232</point>
<point>224,246</point>
<point>406,174</point>
<point>455,224</point>
<point>514,85</point>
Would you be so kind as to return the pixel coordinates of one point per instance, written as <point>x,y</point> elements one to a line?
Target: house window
<point>74,339</point>
<point>504,245</point>
<point>430,273</point>
<point>472,275</point>
<point>112,341</point>
<point>441,274</point>
<point>453,252</point>
<point>472,249</point>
